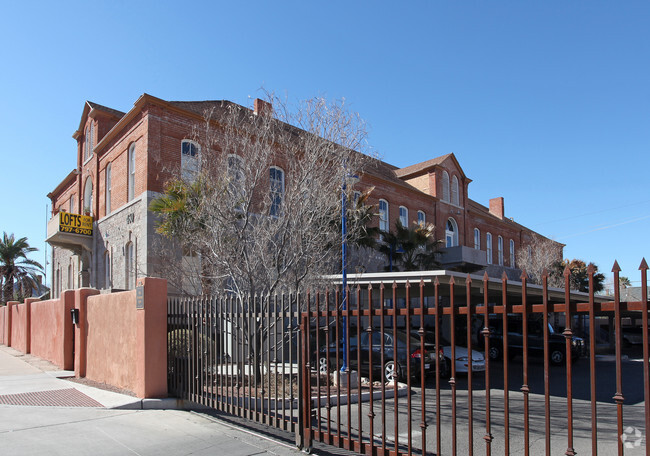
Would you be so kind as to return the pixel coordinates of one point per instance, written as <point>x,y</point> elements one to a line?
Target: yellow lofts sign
<point>75,224</point>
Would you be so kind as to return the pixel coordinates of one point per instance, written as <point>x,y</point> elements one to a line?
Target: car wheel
<point>392,371</point>
<point>557,357</point>
<point>494,352</point>
<point>322,365</point>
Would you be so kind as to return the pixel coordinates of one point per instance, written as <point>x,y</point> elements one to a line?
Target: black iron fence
<point>443,364</point>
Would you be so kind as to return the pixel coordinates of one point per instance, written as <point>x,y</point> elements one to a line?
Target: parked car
<point>632,336</point>
<point>430,347</point>
<point>556,342</point>
<point>462,359</point>
<point>395,362</point>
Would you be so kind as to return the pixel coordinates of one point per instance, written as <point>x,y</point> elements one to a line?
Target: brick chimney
<point>496,207</point>
<point>262,107</point>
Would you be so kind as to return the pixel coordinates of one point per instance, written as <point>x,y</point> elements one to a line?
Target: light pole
<point>344,263</point>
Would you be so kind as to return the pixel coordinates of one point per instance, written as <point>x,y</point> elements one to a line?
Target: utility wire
<point>606,227</point>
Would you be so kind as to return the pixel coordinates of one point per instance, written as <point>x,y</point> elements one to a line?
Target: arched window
<point>422,218</point>
<point>57,282</point>
<point>512,253</point>
<point>451,233</point>
<point>130,185</point>
<point>108,189</point>
<point>276,176</point>
<point>92,140</point>
<point>445,186</point>
<point>87,144</point>
<point>88,196</point>
<point>488,247</point>
<point>383,215</point>
<point>477,239</point>
<point>500,250</point>
<point>236,179</point>
<point>129,266</point>
<point>190,160</point>
<point>404,216</point>
<point>70,277</point>
<point>454,191</point>
<point>72,204</point>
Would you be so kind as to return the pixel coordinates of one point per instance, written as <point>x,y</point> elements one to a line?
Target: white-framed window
<point>451,233</point>
<point>500,250</point>
<point>108,189</point>
<point>72,204</point>
<point>129,266</point>
<point>87,144</point>
<point>454,191</point>
<point>512,253</point>
<point>190,160</point>
<point>445,186</point>
<point>404,216</point>
<point>92,139</point>
<point>107,269</point>
<point>130,186</point>
<point>383,215</point>
<point>488,247</point>
<point>477,239</point>
<point>236,179</point>
<point>529,249</point>
<point>57,282</point>
<point>88,196</point>
<point>422,218</point>
<point>276,176</point>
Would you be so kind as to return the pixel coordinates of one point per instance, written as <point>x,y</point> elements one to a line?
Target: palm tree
<point>16,270</point>
<point>414,248</point>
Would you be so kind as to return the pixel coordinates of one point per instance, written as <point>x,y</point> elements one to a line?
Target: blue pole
<point>344,272</point>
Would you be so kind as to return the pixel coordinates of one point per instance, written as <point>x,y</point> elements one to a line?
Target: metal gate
<point>548,392</point>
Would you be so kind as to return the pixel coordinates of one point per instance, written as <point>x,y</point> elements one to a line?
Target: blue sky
<point>544,103</point>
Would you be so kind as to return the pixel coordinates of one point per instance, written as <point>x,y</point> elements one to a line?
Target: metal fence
<point>236,356</point>
<point>531,386</point>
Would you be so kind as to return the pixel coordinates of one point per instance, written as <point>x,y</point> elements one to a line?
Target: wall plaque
<point>139,297</point>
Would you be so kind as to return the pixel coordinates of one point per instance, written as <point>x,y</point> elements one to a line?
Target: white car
<point>462,358</point>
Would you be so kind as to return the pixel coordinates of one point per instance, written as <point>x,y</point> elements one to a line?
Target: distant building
<point>124,160</point>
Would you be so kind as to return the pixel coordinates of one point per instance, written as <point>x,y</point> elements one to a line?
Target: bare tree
<point>261,214</point>
<point>542,254</point>
<point>261,210</point>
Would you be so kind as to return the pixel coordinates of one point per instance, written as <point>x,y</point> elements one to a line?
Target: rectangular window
<point>72,204</point>
<point>383,215</point>
<point>512,253</point>
<point>422,218</point>
<point>477,239</point>
<point>404,216</point>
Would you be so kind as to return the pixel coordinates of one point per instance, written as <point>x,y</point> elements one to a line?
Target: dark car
<point>395,362</point>
<point>556,342</point>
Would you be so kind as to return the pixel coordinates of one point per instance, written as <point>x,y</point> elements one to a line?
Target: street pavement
<point>42,413</point>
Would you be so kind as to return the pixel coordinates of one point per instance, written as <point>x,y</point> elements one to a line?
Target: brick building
<point>125,159</point>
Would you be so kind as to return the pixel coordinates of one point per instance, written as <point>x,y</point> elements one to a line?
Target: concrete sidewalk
<point>42,413</point>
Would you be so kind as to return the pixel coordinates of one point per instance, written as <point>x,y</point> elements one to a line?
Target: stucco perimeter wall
<point>123,338</point>
<point>51,330</point>
<point>19,327</point>
<point>3,312</point>
<point>110,345</point>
